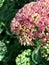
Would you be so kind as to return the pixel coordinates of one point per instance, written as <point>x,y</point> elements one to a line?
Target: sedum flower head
<point>45,51</point>
<point>32,22</point>
<point>3,50</point>
<point>24,58</point>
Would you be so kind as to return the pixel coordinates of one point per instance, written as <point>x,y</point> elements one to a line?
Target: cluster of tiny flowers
<point>45,51</point>
<point>3,50</point>
<point>24,58</point>
<point>32,22</point>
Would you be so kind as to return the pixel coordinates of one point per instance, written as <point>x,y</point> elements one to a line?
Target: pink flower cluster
<point>32,22</point>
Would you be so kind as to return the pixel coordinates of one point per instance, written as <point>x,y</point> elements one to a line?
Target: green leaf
<point>36,58</point>
<point>7,32</point>
<point>33,54</point>
<point>36,42</point>
<point>1,30</point>
<point>1,3</point>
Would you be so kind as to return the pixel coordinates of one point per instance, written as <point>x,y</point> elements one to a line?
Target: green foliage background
<point>8,9</point>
